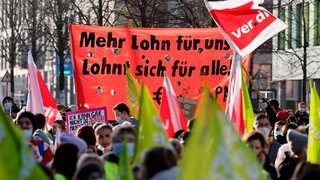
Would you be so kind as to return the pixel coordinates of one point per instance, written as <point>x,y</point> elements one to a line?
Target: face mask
<point>7,106</point>
<point>265,131</point>
<point>302,109</point>
<point>119,120</point>
<point>277,133</point>
<point>118,149</point>
<point>27,132</point>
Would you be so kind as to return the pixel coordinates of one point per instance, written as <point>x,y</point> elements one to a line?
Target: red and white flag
<point>40,99</point>
<point>234,108</point>
<point>244,23</point>
<point>34,102</point>
<point>170,110</point>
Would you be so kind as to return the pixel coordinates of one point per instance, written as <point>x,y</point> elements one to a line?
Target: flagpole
<point>254,86</point>
<point>236,58</point>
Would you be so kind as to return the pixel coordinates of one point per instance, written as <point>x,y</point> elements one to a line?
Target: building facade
<point>296,48</point>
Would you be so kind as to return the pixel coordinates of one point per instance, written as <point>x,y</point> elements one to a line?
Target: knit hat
<point>296,140</point>
<point>283,115</point>
<point>70,138</point>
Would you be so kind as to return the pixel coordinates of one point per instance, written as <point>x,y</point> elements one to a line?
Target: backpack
<point>287,166</point>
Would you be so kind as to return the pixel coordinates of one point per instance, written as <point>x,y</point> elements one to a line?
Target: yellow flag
<point>314,126</point>
<point>247,109</point>
<point>214,149</point>
<point>16,159</point>
<point>133,93</point>
<point>150,131</point>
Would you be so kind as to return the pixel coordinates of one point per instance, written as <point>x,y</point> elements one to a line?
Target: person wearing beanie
<point>297,143</point>
<point>42,152</point>
<point>70,138</point>
<point>283,115</point>
<point>86,133</point>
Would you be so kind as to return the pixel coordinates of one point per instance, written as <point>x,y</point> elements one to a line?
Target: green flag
<point>133,93</point>
<point>125,171</point>
<point>248,114</point>
<point>150,131</point>
<point>16,159</point>
<point>215,150</point>
<point>314,126</point>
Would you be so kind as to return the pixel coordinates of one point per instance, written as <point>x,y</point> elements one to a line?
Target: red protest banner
<point>189,57</point>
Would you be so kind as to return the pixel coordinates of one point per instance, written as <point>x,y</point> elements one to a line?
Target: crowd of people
<point>279,139</point>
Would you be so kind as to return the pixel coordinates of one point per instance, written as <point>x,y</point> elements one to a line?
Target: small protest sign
<point>76,119</point>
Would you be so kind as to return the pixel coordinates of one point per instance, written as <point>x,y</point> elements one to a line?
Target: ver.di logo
<point>247,27</point>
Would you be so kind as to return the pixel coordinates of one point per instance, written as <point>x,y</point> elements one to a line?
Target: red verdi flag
<point>244,23</point>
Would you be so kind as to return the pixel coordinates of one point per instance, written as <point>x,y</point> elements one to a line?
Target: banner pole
<point>254,86</point>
